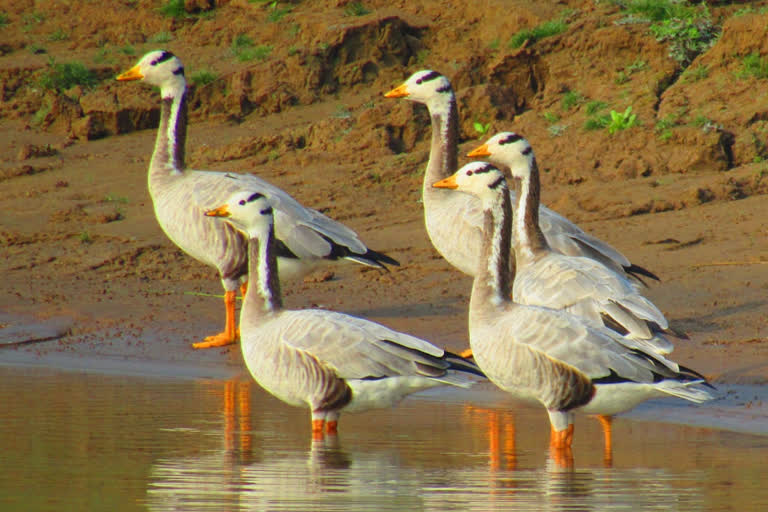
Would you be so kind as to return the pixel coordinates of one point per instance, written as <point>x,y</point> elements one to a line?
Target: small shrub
<point>63,76</point>
<point>173,9</point>
<point>481,128</point>
<point>203,77</point>
<point>621,121</point>
<point>695,74</point>
<point>571,99</point>
<point>753,65</point>
<point>551,117</point>
<point>278,13</point>
<point>356,9</point>
<point>3,19</point>
<point>594,106</point>
<point>597,122</point>
<point>546,29</point>
<point>58,35</point>
<point>85,237</point>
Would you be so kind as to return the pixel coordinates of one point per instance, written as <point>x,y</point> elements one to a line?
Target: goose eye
<point>153,63</point>
<point>242,202</point>
<point>469,173</point>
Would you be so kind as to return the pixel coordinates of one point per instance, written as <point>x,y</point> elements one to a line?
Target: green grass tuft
<point>546,29</point>
<point>753,65</point>
<point>62,76</point>
<point>203,77</point>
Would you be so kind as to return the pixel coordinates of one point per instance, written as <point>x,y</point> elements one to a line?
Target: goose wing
<point>569,282</point>
<point>357,348</point>
<point>597,352</point>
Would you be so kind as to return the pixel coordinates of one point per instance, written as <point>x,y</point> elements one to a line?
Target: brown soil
<point>78,235</point>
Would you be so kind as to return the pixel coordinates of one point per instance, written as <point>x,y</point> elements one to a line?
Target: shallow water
<point>87,441</point>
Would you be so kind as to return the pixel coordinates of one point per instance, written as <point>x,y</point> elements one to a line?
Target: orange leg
<point>317,429</point>
<point>466,353</point>
<point>607,424</point>
<point>230,334</point>
<point>560,446</point>
<point>244,406</point>
<point>332,427</point>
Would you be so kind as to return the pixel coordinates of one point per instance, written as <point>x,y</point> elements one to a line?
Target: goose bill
<point>449,182</point>
<point>398,92</point>
<point>221,211</point>
<point>132,74</point>
<point>480,151</point>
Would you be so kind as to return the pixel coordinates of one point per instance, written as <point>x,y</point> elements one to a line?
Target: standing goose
<point>544,277</point>
<point>454,221</point>
<point>305,237</point>
<point>324,360</point>
<point>550,356</point>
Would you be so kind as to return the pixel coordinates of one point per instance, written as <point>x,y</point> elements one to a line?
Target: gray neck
<point>263,295</point>
<point>496,271</point>
<point>171,135</point>
<point>529,239</point>
<point>443,153</point>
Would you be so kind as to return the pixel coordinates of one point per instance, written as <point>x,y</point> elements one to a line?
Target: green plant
<point>356,9</point>
<point>173,9</point>
<point>700,72</point>
<point>128,50</point>
<point>594,106</point>
<point>546,29</point>
<point>203,77</point>
<point>85,237</point>
<point>550,117</point>
<point>161,37</point>
<point>278,13</point>
<point>109,198</point>
<point>42,113</point>
<point>570,99</point>
<point>481,128</point>
<point>494,45</point>
<point>621,121</point>
<point>753,65</point>
<point>3,19</point>
<point>60,77</point>
<point>621,78</point>
<point>35,49</point>
<point>637,65</point>
<point>33,18</point>
<point>597,122</point>
<point>58,35</point>
<point>342,112</point>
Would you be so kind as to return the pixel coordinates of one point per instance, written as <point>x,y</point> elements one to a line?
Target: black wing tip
<point>380,259</point>
<point>637,271</point>
<point>456,362</point>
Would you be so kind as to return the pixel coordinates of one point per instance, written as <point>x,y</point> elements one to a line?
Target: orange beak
<point>398,92</point>
<point>480,151</point>
<point>449,182</point>
<point>131,74</point>
<point>221,211</point>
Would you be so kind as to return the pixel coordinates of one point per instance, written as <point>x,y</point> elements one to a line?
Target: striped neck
<point>172,132</point>
<point>263,295</point>
<point>443,153</point>
<point>496,272</point>
<point>529,239</point>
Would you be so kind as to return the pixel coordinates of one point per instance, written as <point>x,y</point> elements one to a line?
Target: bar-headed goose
<point>305,237</point>
<point>544,277</point>
<point>548,355</point>
<point>324,360</point>
<point>454,221</point>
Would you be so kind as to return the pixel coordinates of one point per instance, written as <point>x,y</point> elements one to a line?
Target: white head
<point>160,68</point>
<point>509,150</point>
<point>250,212</point>
<point>426,86</point>
<point>480,179</point>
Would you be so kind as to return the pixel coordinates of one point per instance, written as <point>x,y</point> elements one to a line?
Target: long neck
<point>171,134</point>
<point>529,239</point>
<point>443,153</point>
<point>263,295</point>
<point>496,272</point>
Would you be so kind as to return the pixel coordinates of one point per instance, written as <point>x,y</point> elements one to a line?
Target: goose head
<point>160,68</point>
<point>509,150</point>
<point>426,86</point>
<point>479,179</point>
<point>250,212</point>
